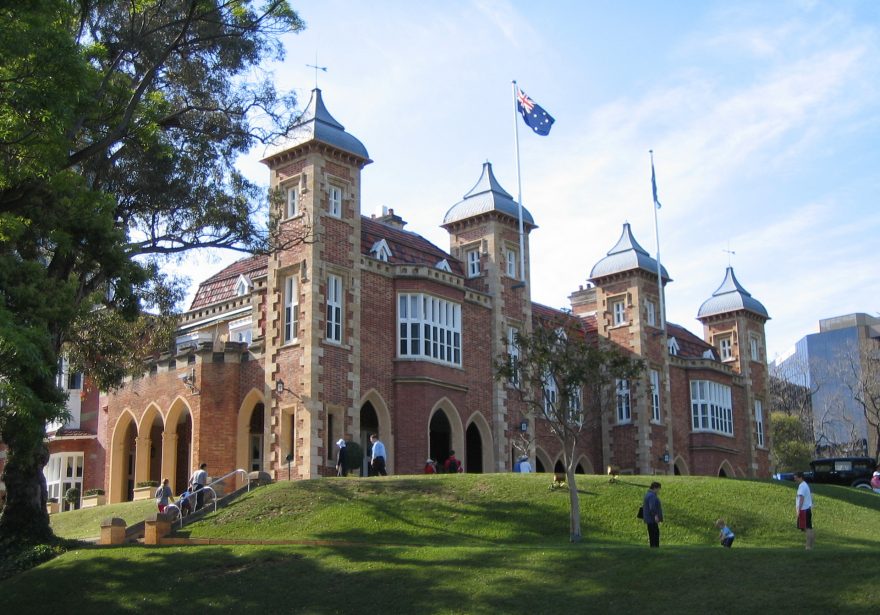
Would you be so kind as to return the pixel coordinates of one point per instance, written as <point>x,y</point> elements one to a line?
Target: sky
<point>763,118</point>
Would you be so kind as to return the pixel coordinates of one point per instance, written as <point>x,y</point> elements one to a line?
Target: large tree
<point>565,377</point>
<point>120,125</point>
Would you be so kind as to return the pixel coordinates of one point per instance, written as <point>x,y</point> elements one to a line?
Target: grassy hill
<point>486,544</point>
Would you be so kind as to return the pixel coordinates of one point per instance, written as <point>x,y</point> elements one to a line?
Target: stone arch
<point>680,467</point>
<point>441,441</point>
<point>725,470</point>
<point>478,425</point>
<point>559,466</point>
<point>542,460</point>
<point>122,444</point>
<point>148,460</point>
<point>380,422</point>
<point>253,402</point>
<point>177,444</point>
<point>584,466</point>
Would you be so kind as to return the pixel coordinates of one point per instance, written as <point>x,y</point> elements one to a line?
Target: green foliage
<point>91,492</point>
<point>16,556</point>
<point>120,125</point>
<point>71,496</point>
<point>791,442</point>
<point>146,483</point>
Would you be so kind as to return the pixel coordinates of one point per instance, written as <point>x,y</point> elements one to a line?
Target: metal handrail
<point>210,488</point>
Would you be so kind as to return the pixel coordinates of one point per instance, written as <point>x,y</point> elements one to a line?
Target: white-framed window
<point>64,471</point>
<point>429,328</point>
<point>551,395</point>
<point>618,312</point>
<point>711,407</point>
<point>292,207</point>
<point>291,308</point>
<point>672,346</point>
<point>651,313</point>
<point>334,197</point>
<point>575,406</point>
<point>655,395</point>
<point>510,260</point>
<point>444,266</point>
<point>242,286</point>
<point>241,330</point>
<point>759,421</point>
<point>334,308</point>
<point>753,348</point>
<point>624,407</point>
<point>725,348</point>
<point>472,257</point>
<point>513,352</point>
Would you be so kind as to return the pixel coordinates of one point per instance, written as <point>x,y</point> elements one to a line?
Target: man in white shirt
<point>377,457</point>
<point>198,481</point>
<point>804,508</point>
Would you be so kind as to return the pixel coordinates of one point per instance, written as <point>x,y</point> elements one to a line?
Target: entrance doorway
<point>473,459</point>
<point>369,424</point>
<point>440,437</point>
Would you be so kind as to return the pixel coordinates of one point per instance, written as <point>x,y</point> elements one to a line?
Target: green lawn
<point>86,523</point>
<point>486,544</point>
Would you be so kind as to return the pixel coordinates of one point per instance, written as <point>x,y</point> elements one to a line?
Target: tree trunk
<point>574,534</point>
<point>25,516</point>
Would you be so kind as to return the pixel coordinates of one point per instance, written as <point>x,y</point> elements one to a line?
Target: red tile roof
<point>406,247</point>
<point>689,345</point>
<point>221,286</point>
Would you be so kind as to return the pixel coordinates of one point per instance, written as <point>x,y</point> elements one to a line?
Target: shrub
<point>71,496</point>
<point>89,492</point>
<point>147,483</point>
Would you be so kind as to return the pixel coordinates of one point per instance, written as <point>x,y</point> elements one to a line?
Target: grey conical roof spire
<point>486,195</point>
<point>316,124</point>
<point>731,297</point>
<point>626,255</point>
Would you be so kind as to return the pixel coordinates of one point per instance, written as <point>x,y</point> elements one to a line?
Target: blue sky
<point>763,118</point>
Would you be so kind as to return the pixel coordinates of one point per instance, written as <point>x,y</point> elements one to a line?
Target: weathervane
<point>317,68</point>
<point>729,253</point>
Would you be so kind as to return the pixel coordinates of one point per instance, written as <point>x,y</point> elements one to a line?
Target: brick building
<point>368,327</point>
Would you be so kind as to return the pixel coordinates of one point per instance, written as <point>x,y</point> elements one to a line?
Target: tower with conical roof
<point>484,234</point>
<point>312,364</point>
<point>625,303</point>
<point>733,322</point>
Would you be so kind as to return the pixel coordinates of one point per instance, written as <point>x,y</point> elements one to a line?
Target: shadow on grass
<point>372,579</point>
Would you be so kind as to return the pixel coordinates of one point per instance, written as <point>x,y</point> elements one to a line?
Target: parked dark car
<point>845,471</point>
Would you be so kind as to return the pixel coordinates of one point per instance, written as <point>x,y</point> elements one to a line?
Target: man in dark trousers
<point>377,457</point>
<point>653,514</point>
<point>198,481</point>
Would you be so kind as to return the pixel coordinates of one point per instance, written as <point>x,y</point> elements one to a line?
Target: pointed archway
<point>177,446</point>
<point>473,450</point>
<point>726,470</point>
<point>369,425</point>
<point>440,437</point>
<point>542,461</point>
<point>122,454</point>
<point>250,432</point>
<point>680,467</point>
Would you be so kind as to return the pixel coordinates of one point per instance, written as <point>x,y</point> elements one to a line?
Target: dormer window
<point>292,208</point>
<point>672,345</point>
<point>444,266</point>
<point>242,286</point>
<point>709,354</point>
<point>381,250</point>
<point>334,196</point>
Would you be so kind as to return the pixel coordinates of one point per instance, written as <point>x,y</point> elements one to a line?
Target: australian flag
<point>533,114</point>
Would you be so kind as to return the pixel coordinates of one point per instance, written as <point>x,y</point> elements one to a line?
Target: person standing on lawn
<point>377,456</point>
<point>653,514</point>
<point>804,508</point>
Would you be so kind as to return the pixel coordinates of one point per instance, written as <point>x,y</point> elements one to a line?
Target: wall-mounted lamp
<point>524,426</point>
<point>665,457</point>
<point>189,379</point>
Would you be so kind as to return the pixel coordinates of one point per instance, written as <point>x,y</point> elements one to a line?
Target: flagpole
<point>522,249</point>
<point>657,238</point>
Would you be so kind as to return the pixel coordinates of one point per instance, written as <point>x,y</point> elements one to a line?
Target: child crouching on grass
<point>726,536</point>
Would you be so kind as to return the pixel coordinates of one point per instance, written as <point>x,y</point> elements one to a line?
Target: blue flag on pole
<point>654,186</point>
<point>533,114</point>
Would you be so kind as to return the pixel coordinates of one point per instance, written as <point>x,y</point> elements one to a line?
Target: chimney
<point>390,218</point>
